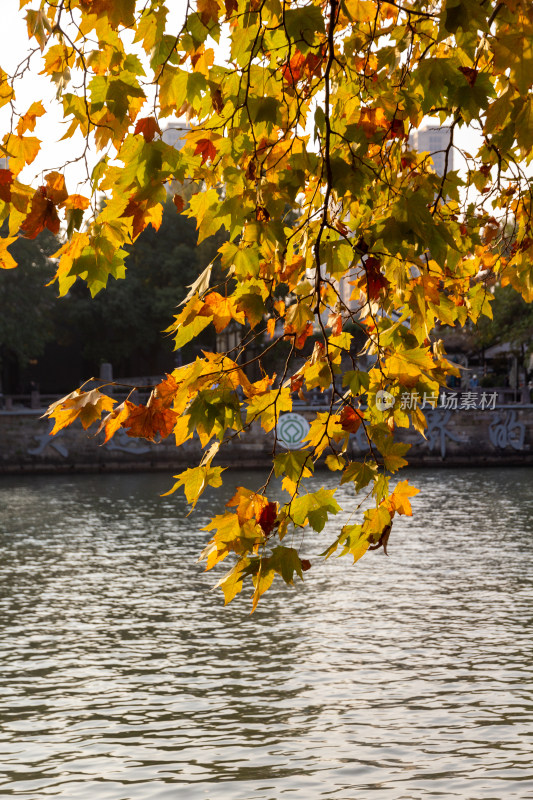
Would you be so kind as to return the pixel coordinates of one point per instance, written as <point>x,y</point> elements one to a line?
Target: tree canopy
<point>300,114</point>
<point>26,320</point>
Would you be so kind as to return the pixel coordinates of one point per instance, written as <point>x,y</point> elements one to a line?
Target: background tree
<point>308,106</point>
<point>26,317</point>
<point>124,325</point>
<point>512,324</point>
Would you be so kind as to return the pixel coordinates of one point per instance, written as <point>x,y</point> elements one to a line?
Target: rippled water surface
<point>122,677</point>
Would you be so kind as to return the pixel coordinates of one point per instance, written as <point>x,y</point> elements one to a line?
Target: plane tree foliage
<point>300,113</point>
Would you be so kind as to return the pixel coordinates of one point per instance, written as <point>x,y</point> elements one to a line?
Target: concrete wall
<point>503,435</point>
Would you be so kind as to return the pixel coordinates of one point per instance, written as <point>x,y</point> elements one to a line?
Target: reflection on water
<point>124,678</point>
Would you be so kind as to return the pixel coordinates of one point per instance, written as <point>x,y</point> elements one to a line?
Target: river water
<point>122,677</point>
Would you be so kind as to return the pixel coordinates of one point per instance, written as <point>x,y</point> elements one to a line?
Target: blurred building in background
<point>434,140</point>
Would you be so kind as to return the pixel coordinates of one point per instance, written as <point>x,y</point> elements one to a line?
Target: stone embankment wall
<point>503,435</point>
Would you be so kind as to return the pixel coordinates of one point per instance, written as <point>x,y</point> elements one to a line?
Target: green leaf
<point>253,307</point>
<point>264,109</point>
<point>286,562</point>
<point>360,473</point>
<point>524,124</point>
<point>302,24</point>
<point>357,381</point>
<point>313,508</point>
<point>294,464</point>
<point>355,541</point>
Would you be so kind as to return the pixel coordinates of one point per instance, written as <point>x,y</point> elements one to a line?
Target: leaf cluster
<point>299,149</point>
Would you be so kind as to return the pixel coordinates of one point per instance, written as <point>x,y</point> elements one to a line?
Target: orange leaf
<point>370,119</point>
<point>147,421</point>
<point>43,212</point>
<point>148,126</point>
<point>113,421</point>
<point>67,255</point>
<point>143,215</point>
<point>293,71</point>
<point>208,11</point>
<point>249,504</point>
<point>261,214</point>
<point>55,188</point>
<point>297,381</point>
<point>166,391</point>
<point>350,419</point>
<point>42,215</point>
<point>271,327</point>
<point>206,149</point>
<point>292,270</point>
<point>302,337</point>
<point>77,201</point>
<point>399,499</point>
<point>23,150</point>
<point>217,100</point>
<point>135,210</point>
<point>397,130</point>
<point>179,202</point>
<point>470,74</point>
<point>223,310</point>
<point>313,64</point>
<point>6,179</point>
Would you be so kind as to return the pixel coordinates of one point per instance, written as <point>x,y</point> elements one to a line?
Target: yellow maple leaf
<point>85,406</point>
<point>22,150</point>
<point>231,583</point>
<point>67,255</point>
<point>6,91</point>
<point>325,428</point>
<point>269,406</point>
<point>6,259</point>
<point>409,364</point>
<point>399,499</point>
<point>29,120</point>
<point>361,10</point>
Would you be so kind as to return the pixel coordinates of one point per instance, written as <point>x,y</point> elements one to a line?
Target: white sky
<point>50,128</point>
